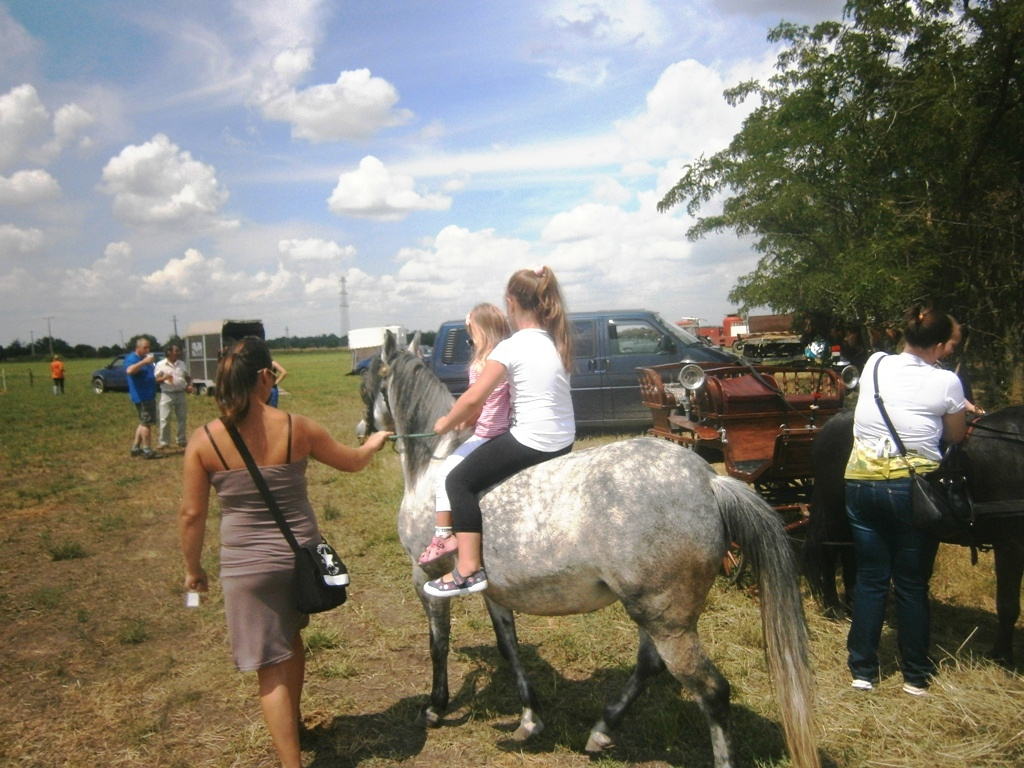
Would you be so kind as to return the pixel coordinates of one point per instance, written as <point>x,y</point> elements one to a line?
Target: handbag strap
<point>261,485</point>
<point>888,422</point>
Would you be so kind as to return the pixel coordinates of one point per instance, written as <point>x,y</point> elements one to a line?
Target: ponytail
<point>925,327</point>
<point>236,376</point>
<point>536,290</point>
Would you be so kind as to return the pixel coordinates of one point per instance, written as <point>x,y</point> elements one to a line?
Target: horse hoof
<point>1002,657</point>
<point>527,727</point>
<point>598,742</point>
<point>428,718</point>
<point>835,614</point>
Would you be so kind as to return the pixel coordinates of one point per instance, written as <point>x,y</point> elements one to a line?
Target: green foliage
<point>882,167</point>
<point>62,550</point>
<point>65,550</point>
<point>134,631</point>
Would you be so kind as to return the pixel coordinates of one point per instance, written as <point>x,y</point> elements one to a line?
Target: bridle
<point>383,371</point>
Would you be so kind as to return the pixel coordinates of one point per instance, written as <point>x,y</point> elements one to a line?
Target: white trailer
<point>363,342</point>
<point>203,344</point>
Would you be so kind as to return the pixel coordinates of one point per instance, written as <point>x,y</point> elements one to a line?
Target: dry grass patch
<point>103,666</point>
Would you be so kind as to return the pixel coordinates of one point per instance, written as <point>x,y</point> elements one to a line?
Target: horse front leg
<point>439,619</point>
<point>1009,557</point>
<point>648,664</point>
<point>508,644</point>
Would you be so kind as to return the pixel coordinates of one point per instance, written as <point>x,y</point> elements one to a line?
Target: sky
<point>325,165</point>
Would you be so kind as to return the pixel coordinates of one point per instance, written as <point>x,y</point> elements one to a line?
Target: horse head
<point>402,395</point>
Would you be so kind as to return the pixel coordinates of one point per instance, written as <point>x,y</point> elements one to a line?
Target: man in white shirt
<point>174,381</point>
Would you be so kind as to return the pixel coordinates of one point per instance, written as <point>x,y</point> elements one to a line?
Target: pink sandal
<point>438,548</point>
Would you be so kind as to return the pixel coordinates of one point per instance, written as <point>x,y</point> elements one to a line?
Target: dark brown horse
<point>995,452</point>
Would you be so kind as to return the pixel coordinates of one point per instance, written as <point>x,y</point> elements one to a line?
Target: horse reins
<point>997,434</point>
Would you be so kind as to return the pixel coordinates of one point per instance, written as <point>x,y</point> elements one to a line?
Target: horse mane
<point>418,399</point>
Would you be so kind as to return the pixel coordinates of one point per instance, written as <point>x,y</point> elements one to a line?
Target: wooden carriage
<point>759,420</point>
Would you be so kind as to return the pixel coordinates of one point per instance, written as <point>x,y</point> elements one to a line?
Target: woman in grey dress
<point>256,560</point>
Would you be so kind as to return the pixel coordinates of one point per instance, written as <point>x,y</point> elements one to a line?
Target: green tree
<point>883,165</point>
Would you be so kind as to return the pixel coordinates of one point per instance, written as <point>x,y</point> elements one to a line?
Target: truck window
<point>584,338</point>
<point>456,347</point>
<point>635,337</point>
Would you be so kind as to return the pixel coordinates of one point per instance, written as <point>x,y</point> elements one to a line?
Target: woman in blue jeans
<point>926,405</point>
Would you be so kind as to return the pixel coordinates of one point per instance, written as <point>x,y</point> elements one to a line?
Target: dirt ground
<point>104,666</point>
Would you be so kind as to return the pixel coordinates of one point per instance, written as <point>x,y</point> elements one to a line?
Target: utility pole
<point>32,342</point>
<point>175,319</point>
<point>344,310</point>
<point>49,333</point>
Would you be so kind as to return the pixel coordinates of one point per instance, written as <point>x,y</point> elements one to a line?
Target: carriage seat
<point>744,394</point>
<point>803,402</point>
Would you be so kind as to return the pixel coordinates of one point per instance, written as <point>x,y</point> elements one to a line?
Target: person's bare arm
<point>471,402</point>
<point>195,503</point>
<point>136,367</point>
<point>279,371</point>
<point>325,449</point>
<point>954,427</point>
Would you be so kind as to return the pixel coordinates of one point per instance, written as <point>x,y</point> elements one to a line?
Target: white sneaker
<point>862,685</point>
<point>914,690</point>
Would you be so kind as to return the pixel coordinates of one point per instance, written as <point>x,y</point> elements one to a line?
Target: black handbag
<point>320,579</point>
<point>940,501</point>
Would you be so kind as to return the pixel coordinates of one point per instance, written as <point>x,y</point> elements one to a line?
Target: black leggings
<point>488,465</point>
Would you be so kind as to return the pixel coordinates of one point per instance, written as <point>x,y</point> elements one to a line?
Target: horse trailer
<point>204,342</point>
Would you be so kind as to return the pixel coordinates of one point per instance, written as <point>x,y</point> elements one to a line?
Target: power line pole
<point>175,319</point>
<point>344,310</point>
<point>49,333</point>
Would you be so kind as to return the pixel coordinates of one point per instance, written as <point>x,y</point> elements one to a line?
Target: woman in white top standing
<point>926,405</point>
<point>535,361</point>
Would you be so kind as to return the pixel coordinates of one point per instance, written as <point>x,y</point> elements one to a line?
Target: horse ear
<point>414,345</point>
<point>387,350</point>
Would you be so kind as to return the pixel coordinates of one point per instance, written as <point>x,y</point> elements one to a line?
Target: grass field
<point>102,665</point>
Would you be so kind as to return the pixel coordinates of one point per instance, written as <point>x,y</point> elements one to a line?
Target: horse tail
<point>757,529</point>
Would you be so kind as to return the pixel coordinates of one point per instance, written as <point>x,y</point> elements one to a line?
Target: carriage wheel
<point>734,565</point>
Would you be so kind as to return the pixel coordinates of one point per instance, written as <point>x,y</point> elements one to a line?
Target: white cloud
<point>29,132</point>
<point>22,119</point>
<point>374,192</point>
<point>182,277</point>
<point>611,192</point>
<point>686,114</point>
<point>158,184</point>
<point>606,256</point>
<point>451,273</point>
<point>17,243</point>
<point>591,74</point>
<point>312,249</point>
<point>28,187</point>
<point>103,279</point>
<point>68,122</point>
<point>610,22</point>
<point>18,51</point>
<point>356,106</point>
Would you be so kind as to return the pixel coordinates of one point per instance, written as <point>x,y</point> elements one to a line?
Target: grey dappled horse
<point>641,521</point>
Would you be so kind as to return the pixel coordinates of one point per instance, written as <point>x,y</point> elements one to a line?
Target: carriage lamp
<point>691,376</point>
<point>850,376</point>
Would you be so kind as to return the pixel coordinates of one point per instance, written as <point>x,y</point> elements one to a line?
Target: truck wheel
<point>99,386</point>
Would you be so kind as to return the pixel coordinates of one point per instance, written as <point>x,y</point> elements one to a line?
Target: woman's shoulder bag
<point>940,501</point>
